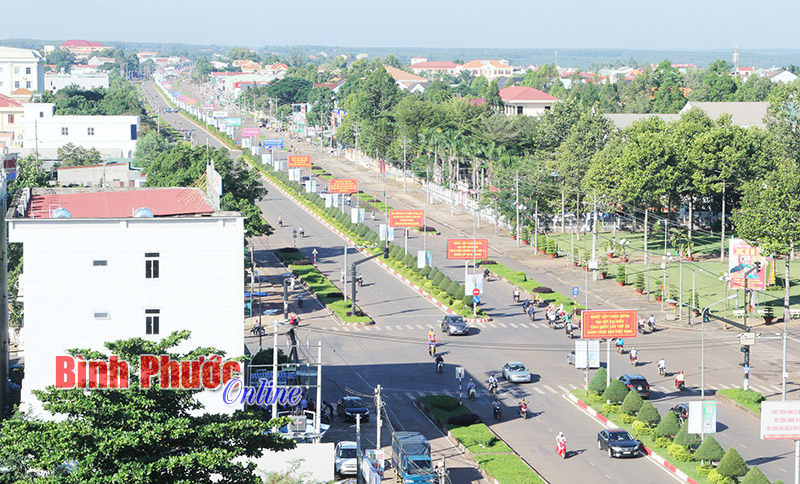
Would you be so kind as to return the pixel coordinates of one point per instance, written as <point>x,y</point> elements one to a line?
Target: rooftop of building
<point>13,52</point>
<point>92,203</point>
<point>521,94</point>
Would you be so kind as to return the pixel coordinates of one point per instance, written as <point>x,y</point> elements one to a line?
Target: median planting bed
<point>519,278</point>
<point>749,399</point>
<point>492,455</point>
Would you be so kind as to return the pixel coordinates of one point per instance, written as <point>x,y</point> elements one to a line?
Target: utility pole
<point>578,214</point>
<point>378,407</point>
<point>536,227</point>
<point>594,238</point>
<point>563,211</point>
<point>358,447</point>
<point>404,164</point>
<point>516,181</point>
<point>357,133</point>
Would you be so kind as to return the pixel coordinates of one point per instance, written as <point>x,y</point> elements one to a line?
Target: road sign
<point>747,339</point>
<point>272,143</point>
<point>459,372</point>
<point>746,369</point>
<point>575,290</point>
<point>780,420</point>
<point>476,299</point>
<point>315,252</point>
<point>476,292</point>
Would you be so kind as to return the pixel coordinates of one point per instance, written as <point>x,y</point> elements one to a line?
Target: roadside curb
<point>650,453</point>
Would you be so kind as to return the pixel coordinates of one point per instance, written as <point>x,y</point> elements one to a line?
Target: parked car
<point>515,372</point>
<point>348,407</point>
<point>454,324</point>
<point>344,459</point>
<point>681,411</point>
<point>618,443</point>
<point>638,382</point>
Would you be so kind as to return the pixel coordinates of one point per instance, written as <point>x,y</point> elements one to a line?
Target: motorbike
<point>552,323</point>
<point>662,370</point>
<point>523,411</point>
<point>642,328</point>
<point>634,360</point>
<point>493,387</point>
<point>652,326</point>
<point>516,297</point>
<point>432,350</point>
<point>680,385</point>
<point>300,300</point>
<point>257,330</point>
<point>569,333</point>
<point>561,449</point>
<point>486,276</point>
<point>472,394</point>
<point>619,349</point>
<point>439,367</point>
<point>498,413</point>
<point>360,281</point>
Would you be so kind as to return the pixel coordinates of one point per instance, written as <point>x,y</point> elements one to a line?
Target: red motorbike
<point>561,449</point>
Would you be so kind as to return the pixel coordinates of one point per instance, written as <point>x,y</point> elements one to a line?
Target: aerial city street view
<point>416,243</point>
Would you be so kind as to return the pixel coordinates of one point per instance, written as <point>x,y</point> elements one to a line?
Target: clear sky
<point>528,24</point>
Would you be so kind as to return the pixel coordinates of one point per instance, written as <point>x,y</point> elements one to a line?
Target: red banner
<point>343,185</point>
<point>299,161</point>
<point>406,218</point>
<point>609,324</point>
<point>468,249</point>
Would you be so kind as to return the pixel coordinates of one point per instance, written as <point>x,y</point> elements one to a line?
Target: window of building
<point>90,131</point>
<point>64,131</point>
<point>151,317</point>
<point>519,109</point>
<point>27,70</point>
<point>547,108</point>
<point>99,263</point>
<point>101,315</point>
<point>151,263</point>
<point>28,84</point>
<point>10,119</point>
<point>16,70</point>
<point>41,114</point>
<point>133,132</point>
<point>16,84</point>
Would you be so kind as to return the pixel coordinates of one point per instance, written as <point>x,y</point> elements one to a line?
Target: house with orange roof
<point>526,101</point>
<point>82,48</point>
<point>404,79</point>
<point>490,69</point>
<point>435,68</point>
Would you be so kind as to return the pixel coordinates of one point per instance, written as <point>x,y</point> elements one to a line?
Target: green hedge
<point>508,469</point>
<point>750,399</point>
<point>478,439</point>
<point>520,279</point>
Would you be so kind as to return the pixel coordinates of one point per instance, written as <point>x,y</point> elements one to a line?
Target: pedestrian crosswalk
<point>347,328</point>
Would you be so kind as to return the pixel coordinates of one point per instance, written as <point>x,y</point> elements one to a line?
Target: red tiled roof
<point>401,75</point>
<point>80,43</point>
<point>7,102</point>
<point>435,65</point>
<point>121,204</point>
<point>520,93</point>
<point>477,101</point>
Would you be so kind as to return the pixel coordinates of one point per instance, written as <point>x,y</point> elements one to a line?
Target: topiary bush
<point>542,290</point>
<point>639,284</point>
<point>680,453</point>
<point>668,426</point>
<point>717,478</point>
<point>683,437</point>
<point>709,450</point>
<point>621,277</point>
<point>641,428</point>
<point>616,392</point>
<point>732,465</point>
<point>425,271</point>
<point>444,284</point>
<point>454,289</point>
<point>467,301</point>
<point>626,419</point>
<point>609,408</point>
<point>648,414</point>
<point>755,476</point>
<point>632,403</point>
<point>597,385</point>
<point>409,260</point>
<point>437,277</point>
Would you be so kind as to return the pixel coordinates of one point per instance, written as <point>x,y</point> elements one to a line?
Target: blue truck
<point>411,457</point>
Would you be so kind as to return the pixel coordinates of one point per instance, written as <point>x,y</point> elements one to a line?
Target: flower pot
<point>658,298</point>
<point>639,291</point>
<point>696,313</point>
<point>620,283</point>
<point>585,268</point>
<point>609,255</point>
<point>525,242</point>
<point>623,259</point>
<point>544,252</point>
<point>552,256</point>
<point>601,275</point>
<point>672,305</point>
<point>514,237</point>
<point>768,320</point>
<point>574,264</point>
<point>690,258</point>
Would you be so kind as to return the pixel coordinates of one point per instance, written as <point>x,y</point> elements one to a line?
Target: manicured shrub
<point>542,290</point>
<point>302,262</point>
<point>683,437</point>
<point>668,426</point>
<point>632,403</point>
<point>464,419</point>
<point>621,277</point>
<point>616,392</point>
<point>432,275</point>
<point>680,453</point>
<point>717,478</point>
<point>597,385</point>
<point>467,301</point>
<point>552,248</point>
<point>641,428</point>
<point>663,442</point>
<point>754,476</point>
<point>409,260</point>
<point>732,465</point>
<point>648,414</point>
<point>709,450</point>
<point>609,408</point>
<point>395,251</point>
<point>444,284</point>
<point>626,419</point>
<point>639,284</point>
<point>454,290</point>
<point>425,271</point>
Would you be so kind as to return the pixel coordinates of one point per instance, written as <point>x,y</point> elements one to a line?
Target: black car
<point>618,443</point>
<point>454,324</point>
<point>348,407</point>
<point>638,382</point>
<point>681,411</point>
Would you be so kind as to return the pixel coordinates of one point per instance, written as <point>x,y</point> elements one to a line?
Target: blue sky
<point>638,24</point>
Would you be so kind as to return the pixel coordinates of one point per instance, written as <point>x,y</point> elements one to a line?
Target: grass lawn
<point>508,469</point>
<point>749,399</point>
<point>690,468</point>
<point>479,439</point>
<point>520,279</point>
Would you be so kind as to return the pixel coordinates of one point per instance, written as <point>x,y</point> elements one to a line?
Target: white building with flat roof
<point>104,265</point>
<point>20,69</point>
<point>56,82</point>
<point>45,132</point>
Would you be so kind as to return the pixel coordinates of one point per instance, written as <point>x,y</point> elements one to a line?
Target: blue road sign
<point>476,299</point>
<point>272,143</point>
<point>575,291</point>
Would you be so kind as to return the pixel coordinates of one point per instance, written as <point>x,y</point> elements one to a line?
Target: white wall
<point>315,461</point>
<point>42,129</point>
<point>14,71</point>
<point>55,82</point>
<point>200,287</point>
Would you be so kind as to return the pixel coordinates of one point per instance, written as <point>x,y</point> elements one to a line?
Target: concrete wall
<point>315,461</point>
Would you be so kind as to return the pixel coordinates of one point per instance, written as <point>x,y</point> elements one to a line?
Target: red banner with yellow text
<point>406,218</point>
<point>343,185</point>
<point>467,249</point>
<point>616,323</point>
<point>299,161</point>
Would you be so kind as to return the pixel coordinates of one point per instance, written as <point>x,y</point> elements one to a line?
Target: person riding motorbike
<point>531,312</point>
<point>525,305</point>
<point>561,444</point>
<point>431,336</point>
<point>523,408</point>
<point>486,274</point>
<point>471,389</point>
<point>492,383</point>
<point>551,319</point>
<point>537,299</point>
<point>640,323</point>
<point>280,221</point>
<point>651,322</point>
<point>662,366</point>
<point>568,329</point>
<point>680,380</point>
<point>431,348</point>
<point>302,231</point>
<point>497,409</point>
<point>634,356</point>
<point>360,280</point>
<point>439,360</point>
<point>620,345</point>
<point>516,294</point>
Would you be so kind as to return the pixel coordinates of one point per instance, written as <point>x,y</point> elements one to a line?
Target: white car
<point>344,460</point>
<point>515,372</point>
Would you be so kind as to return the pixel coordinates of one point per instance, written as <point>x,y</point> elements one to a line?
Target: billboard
<point>207,107</point>
<point>780,420</point>
<point>183,97</point>
<point>743,257</point>
<point>343,185</point>
<point>233,121</point>
<point>272,143</point>
<point>219,114</point>
<point>250,132</point>
<point>611,323</point>
<point>703,417</point>
<point>467,249</point>
<point>587,349</point>
<point>406,218</point>
<point>192,101</point>
<point>299,161</point>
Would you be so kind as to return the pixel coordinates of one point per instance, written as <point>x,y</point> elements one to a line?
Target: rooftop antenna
<point>735,57</point>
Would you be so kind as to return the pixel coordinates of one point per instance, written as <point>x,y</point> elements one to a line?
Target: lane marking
<point>513,325</point>
<point>563,389</point>
<point>538,390</point>
<point>410,396</point>
<point>549,389</point>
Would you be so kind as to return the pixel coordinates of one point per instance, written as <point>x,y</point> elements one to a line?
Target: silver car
<point>454,324</point>
<point>515,372</point>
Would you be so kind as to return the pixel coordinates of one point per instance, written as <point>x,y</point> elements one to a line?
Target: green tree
<point>492,96</point>
<point>718,82</point>
<point>754,476</point>
<point>62,59</point>
<point>202,68</point>
<point>597,385</point>
<point>683,437</point>
<point>30,174</point>
<point>632,403</point>
<point>668,97</point>
<point>732,465</point>
<point>149,146</point>
<point>542,78</point>
<point>668,426</point>
<point>616,392</point>
<point>290,90</point>
<point>783,120</point>
<point>769,216</point>
<point>479,85</point>
<point>648,414</point>
<point>709,450</point>
<point>241,53</point>
<point>755,89</point>
<point>137,436</point>
<point>71,155</point>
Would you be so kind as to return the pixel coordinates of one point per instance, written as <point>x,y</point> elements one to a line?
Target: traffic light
<point>746,351</point>
<point>706,315</point>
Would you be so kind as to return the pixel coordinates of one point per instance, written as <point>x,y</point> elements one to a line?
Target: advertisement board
<point>299,161</point>
<point>612,323</point>
<point>780,420</point>
<point>743,257</point>
<point>191,100</point>
<point>250,132</point>
<point>468,249</point>
<point>343,185</point>
<point>703,416</point>
<point>406,218</point>
<point>272,143</point>
<point>207,107</point>
<point>183,97</point>
<point>587,349</point>
<point>219,114</point>
<point>233,121</point>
